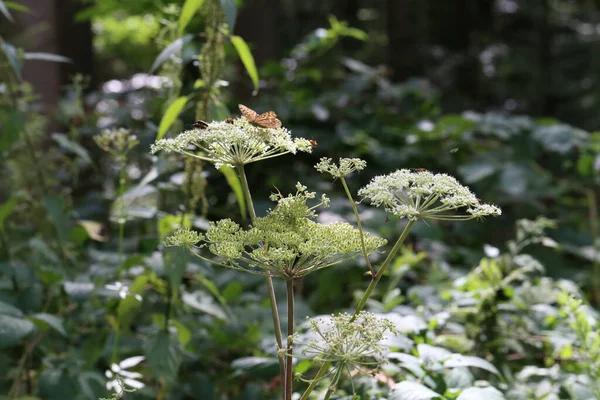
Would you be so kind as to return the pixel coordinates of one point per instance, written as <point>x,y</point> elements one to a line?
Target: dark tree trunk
<point>404,47</point>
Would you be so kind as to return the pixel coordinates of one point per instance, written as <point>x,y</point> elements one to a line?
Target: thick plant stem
<point>358,223</point>
<point>269,280</point>
<point>334,383</point>
<point>290,340</point>
<point>382,269</point>
<point>315,380</point>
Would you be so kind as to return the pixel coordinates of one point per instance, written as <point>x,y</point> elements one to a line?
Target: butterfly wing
<point>249,113</point>
<point>267,120</point>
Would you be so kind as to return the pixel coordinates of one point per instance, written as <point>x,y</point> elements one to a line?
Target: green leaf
<point>13,329</point>
<point>204,303</point>
<point>10,310</point>
<point>407,390</point>
<point>69,145</point>
<point>17,6</point>
<point>47,57</point>
<point>176,259</point>
<point>92,385</point>
<point>78,291</point>
<point>13,126</point>
<point>5,11</point>
<point>164,355</point>
<point>183,333</point>
<point>170,116</point>
<point>255,367</point>
<point>230,11</point>
<point>129,306</point>
<point>43,321</point>
<point>58,216</point>
<point>458,360</point>
<point>190,7</point>
<point>247,59</point>
<point>477,393</point>
<point>13,58</point>
<point>6,209</point>
<point>236,186</point>
<point>173,48</point>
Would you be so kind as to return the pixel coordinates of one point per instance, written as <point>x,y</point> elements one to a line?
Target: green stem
<point>593,217</point>
<point>315,380</point>
<point>121,220</point>
<point>358,223</point>
<point>334,383</point>
<point>290,341</point>
<point>168,308</point>
<point>115,350</point>
<point>382,269</point>
<point>269,280</point>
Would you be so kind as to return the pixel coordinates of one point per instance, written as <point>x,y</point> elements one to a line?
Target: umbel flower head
<point>286,243</point>
<point>347,343</point>
<point>346,166</point>
<point>117,142</point>
<point>233,144</point>
<point>422,194</point>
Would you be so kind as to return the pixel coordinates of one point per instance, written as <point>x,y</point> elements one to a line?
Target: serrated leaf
<point>174,47</point>
<point>48,320</point>
<point>164,354</point>
<point>247,59</point>
<point>170,116</point>
<point>47,57</point>
<point>6,209</point>
<point>476,393</point>
<point>13,329</point>
<point>458,360</point>
<point>230,11</point>
<point>69,145</point>
<point>189,9</point>
<point>407,390</point>
<point>13,58</point>
<point>236,186</point>
<point>12,126</point>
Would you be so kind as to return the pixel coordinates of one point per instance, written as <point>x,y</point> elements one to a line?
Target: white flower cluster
<point>234,144</point>
<point>420,194</point>
<point>346,166</point>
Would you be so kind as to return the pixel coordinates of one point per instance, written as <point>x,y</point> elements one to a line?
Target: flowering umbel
<point>425,195</point>
<point>117,142</point>
<point>286,243</point>
<point>233,144</point>
<point>347,343</point>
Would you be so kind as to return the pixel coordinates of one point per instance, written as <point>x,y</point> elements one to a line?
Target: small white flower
<point>123,290</point>
<point>128,378</point>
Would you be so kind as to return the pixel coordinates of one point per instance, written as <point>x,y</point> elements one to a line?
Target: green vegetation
<point>425,229</point>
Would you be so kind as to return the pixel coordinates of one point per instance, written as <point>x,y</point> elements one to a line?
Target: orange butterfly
<point>264,120</point>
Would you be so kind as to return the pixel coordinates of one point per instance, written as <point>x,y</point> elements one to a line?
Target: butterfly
<point>200,124</point>
<point>264,120</point>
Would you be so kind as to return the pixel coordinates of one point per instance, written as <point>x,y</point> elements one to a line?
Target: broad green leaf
<point>72,146</point>
<point>247,59</point>
<point>164,354</point>
<point>408,390</point>
<point>58,216</point>
<point>17,6</point>
<point>92,385</point>
<point>477,393</point>
<point>173,48</point>
<point>256,367</point>
<point>170,116</point>
<point>12,127</point>
<point>13,57</point>
<point>457,360</point>
<point>5,11</point>
<point>230,11</point>
<point>47,57</point>
<point>176,259</point>
<point>236,186</point>
<point>13,329</point>
<point>78,291</point>
<point>10,310</point>
<point>129,306</point>
<point>43,321</point>
<point>57,384</point>
<point>204,303</point>
<point>6,209</point>
<point>189,9</point>
<point>211,287</point>
<point>183,333</point>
